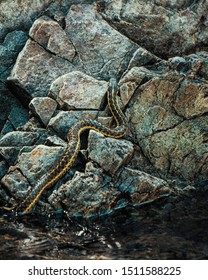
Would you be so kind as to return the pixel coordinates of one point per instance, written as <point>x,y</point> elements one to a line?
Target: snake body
<point>73,147</point>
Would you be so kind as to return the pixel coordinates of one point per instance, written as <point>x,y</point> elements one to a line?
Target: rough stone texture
<point>166,28</point>
<point>109,153</point>
<point>35,164</point>
<point>141,186</point>
<point>52,37</point>
<point>76,90</point>
<point>12,143</point>
<point>87,194</point>
<point>102,50</point>
<point>167,114</point>
<point>19,139</point>
<point>35,70</point>
<point>13,181</point>
<point>9,49</point>
<point>163,92</point>
<point>43,108</point>
<point>23,13</point>
<point>63,121</point>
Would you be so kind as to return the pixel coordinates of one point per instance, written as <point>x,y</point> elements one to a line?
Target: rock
<point>19,139</point>
<point>156,26</point>
<point>63,121</point>
<point>15,15</point>
<point>194,94</point>
<point>102,50</point>
<point>43,108</point>
<point>141,186</point>
<point>35,164</point>
<point>142,57</point>
<point>16,184</point>
<point>87,194</point>
<point>109,153</point>
<point>21,120</point>
<point>3,168</point>
<point>13,142</point>
<point>49,34</point>
<point>34,71</point>
<point>9,49</point>
<point>77,90</point>
<point>173,145</point>
<point>9,107</point>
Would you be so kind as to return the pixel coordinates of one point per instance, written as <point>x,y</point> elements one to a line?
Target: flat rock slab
<point>77,90</point>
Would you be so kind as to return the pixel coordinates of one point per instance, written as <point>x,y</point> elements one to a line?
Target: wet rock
<point>43,108</point>
<point>109,153</point>
<point>156,26</point>
<point>102,50</point>
<point>141,186</point>
<point>63,121</point>
<point>49,34</point>
<point>77,90</point>
<point>34,71</point>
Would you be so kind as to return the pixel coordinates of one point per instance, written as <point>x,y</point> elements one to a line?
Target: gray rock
<point>16,183</point>
<point>34,71</point>
<point>15,15</point>
<point>3,168</point>
<point>43,108</point>
<point>102,50</point>
<point>35,164</point>
<point>19,139</point>
<point>141,186</point>
<point>109,153</point>
<point>63,121</point>
<point>165,28</point>
<point>9,49</point>
<point>173,145</point>
<point>87,194</point>
<point>13,142</point>
<point>77,90</point>
<point>49,34</point>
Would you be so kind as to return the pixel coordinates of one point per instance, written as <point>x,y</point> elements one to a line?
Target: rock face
<point>55,73</point>
<point>166,28</point>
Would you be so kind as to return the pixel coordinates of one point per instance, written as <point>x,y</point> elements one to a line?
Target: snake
<point>70,154</point>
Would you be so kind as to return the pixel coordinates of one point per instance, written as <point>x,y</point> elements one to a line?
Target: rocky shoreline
<point>56,73</point>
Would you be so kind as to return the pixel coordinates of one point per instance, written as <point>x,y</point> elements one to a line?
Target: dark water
<point>171,228</point>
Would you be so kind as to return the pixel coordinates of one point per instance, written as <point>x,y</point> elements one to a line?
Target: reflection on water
<point>169,229</point>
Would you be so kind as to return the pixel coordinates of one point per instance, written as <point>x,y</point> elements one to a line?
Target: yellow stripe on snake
<point>72,149</point>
